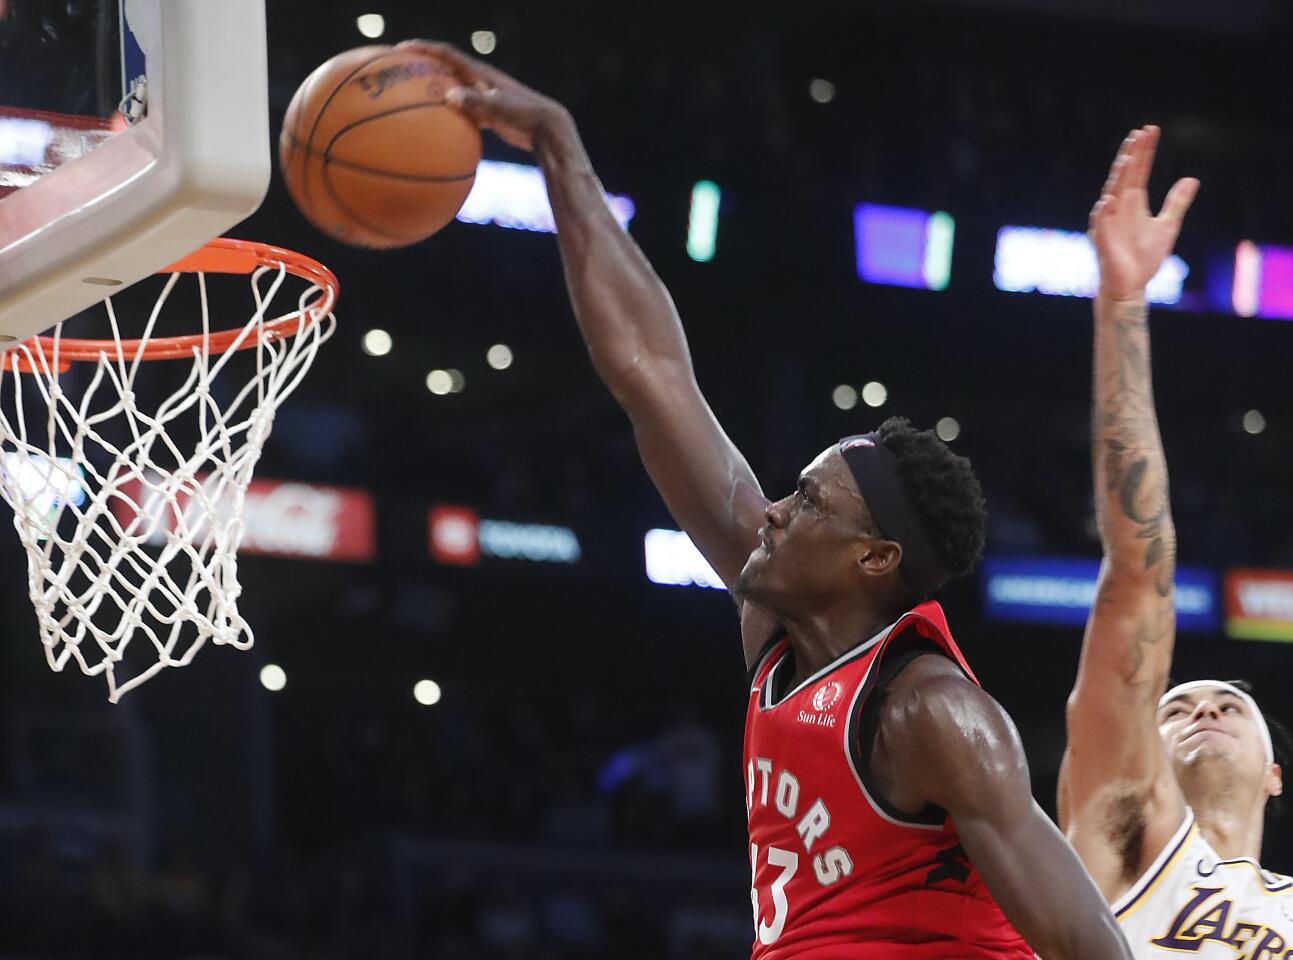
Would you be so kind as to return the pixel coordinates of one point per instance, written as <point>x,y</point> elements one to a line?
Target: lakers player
<point>890,812</point>
<point>1162,792</point>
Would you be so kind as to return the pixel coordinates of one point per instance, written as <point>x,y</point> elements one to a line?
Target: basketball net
<point>132,539</point>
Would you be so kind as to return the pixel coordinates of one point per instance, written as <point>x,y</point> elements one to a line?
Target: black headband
<point>875,471</point>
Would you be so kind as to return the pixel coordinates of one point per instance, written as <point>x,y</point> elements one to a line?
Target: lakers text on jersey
<point>1191,902</point>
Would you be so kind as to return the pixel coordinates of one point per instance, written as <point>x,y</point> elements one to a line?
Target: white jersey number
<point>788,861</point>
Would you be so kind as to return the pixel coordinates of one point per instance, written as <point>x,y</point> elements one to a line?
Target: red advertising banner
<point>280,518</point>
<point>1259,604</point>
<point>453,535</point>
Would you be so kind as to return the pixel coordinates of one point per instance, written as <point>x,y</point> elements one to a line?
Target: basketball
<point>371,153</point>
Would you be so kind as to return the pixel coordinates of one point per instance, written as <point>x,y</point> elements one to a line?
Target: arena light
<point>1063,263</point>
<point>947,429</point>
<point>427,692</point>
<point>845,397</point>
<point>822,91</point>
<point>514,195</point>
<point>457,382</point>
<point>1060,591</point>
<point>484,42</point>
<point>702,221</point>
<point>671,558</point>
<point>1263,281</point>
<point>874,394</point>
<point>273,677</point>
<point>371,25</point>
<point>439,382</point>
<point>43,484</point>
<point>1254,422</point>
<point>1246,291</point>
<point>499,356</point>
<point>903,246</point>
<point>377,343</point>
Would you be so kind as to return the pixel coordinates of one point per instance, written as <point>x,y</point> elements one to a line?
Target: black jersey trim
<point>766,701</point>
<point>752,675</point>
<point>932,817</point>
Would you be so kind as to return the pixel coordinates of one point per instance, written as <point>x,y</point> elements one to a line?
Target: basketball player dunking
<point>1162,792</point>
<point>890,812</point>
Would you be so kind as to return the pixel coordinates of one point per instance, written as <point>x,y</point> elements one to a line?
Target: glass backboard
<point>61,82</point>
<point>128,138</point>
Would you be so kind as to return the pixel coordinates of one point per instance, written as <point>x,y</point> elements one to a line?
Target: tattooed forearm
<point>1133,510</point>
<point>1132,506</point>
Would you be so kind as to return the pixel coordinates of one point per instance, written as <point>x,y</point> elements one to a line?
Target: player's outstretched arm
<point>628,321</point>
<point>947,742</point>
<point>1115,781</point>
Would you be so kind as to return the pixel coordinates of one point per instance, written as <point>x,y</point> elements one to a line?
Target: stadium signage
<point>1259,604</point>
<point>280,518</point>
<point>459,536</point>
<point>1060,591</point>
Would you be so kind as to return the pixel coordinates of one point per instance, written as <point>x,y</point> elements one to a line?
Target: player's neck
<point>1228,821</point>
<point>822,636</point>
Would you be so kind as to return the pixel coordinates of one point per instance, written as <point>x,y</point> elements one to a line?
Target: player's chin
<point>752,581</point>
<point>1208,748</point>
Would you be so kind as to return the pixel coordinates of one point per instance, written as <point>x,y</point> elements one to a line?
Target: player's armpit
<point>955,747</point>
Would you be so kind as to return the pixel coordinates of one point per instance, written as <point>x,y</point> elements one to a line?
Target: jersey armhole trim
<point>770,649</point>
<point>931,819</point>
<point>1162,865</point>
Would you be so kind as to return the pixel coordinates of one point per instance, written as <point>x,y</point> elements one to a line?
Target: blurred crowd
<point>555,841</point>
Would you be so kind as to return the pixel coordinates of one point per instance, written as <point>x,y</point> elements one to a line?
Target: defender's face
<point>809,541</point>
<point>1212,725</point>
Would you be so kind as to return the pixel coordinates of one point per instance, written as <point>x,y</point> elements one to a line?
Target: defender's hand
<point>1131,243</point>
<point>495,101</point>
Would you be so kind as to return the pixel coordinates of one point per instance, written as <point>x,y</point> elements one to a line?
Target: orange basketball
<point>372,154</point>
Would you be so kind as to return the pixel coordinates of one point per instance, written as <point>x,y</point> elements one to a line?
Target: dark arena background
<point>835,194</point>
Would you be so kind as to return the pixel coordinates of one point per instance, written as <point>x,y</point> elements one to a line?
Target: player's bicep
<point>705,481</point>
<point>982,780</point>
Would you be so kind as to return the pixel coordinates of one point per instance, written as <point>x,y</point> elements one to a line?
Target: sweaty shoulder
<point>944,738</point>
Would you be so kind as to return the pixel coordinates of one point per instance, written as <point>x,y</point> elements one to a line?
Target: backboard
<point>131,132</point>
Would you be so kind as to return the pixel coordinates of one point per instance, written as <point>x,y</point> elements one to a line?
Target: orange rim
<point>221,255</point>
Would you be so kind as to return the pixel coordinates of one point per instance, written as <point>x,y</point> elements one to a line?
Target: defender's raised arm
<point>1118,799</point>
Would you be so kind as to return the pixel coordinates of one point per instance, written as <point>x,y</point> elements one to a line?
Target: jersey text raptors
<point>835,872</point>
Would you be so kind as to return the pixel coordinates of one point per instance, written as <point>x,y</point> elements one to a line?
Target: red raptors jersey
<point>836,874</point>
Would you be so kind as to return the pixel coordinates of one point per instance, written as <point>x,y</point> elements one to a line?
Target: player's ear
<point>1275,780</point>
<point>877,558</point>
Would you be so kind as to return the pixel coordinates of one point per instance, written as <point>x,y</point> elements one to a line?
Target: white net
<point>131,518</point>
